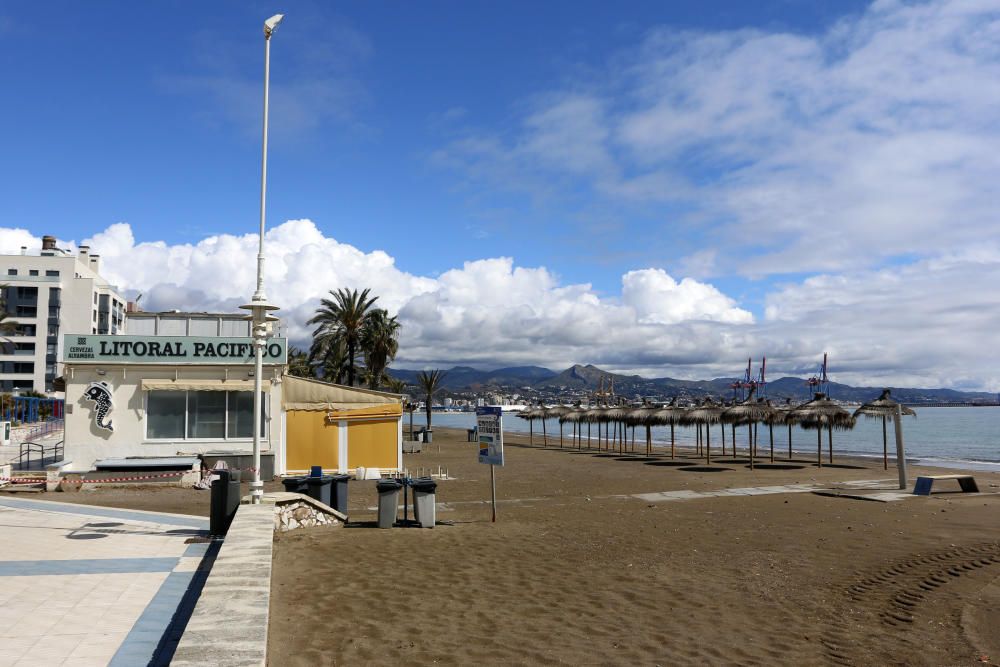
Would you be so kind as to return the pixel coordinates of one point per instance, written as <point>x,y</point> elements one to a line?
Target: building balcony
<point>14,280</point>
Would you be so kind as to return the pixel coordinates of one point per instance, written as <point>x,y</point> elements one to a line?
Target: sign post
<point>489,427</point>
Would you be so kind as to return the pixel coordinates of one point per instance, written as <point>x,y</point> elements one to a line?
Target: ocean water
<point>960,437</point>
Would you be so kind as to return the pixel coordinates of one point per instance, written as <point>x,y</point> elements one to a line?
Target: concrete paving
<point>83,585</point>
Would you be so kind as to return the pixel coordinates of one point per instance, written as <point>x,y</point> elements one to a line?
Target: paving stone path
<point>83,585</point>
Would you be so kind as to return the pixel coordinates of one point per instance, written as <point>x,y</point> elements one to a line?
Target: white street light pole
<point>258,305</point>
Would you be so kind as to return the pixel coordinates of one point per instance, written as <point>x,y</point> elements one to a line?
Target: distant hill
<point>588,378</point>
<point>465,377</point>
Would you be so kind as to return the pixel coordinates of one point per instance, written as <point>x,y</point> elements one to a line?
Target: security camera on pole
<point>258,305</point>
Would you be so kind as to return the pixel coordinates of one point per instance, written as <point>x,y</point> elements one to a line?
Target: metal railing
<point>37,454</point>
<point>48,426</point>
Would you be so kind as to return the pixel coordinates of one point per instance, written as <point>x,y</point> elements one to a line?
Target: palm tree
<point>298,363</point>
<point>395,385</point>
<point>331,357</point>
<point>341,323</point>
<point>430,382</point>
<point>380,342</point>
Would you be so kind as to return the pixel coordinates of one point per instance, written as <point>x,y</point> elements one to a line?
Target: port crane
<point>820,382</point>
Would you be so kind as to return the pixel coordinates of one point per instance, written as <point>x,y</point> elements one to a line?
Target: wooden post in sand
<point>819,446</point>
<point>900,453</point>
<point>493,493</point>
<point>885,446</point>
<point>771,429</point>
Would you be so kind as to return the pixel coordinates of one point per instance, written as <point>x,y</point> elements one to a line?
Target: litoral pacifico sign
<point>489,426</point>
<point>101,349</point>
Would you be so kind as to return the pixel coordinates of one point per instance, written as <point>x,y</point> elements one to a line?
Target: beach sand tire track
<point>909,594</point>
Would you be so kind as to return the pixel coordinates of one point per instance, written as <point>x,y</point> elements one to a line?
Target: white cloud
<point>659,299</point>
<point>791,152</point>
<point>929,323</point>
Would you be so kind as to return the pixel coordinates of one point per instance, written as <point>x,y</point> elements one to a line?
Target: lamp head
<point>271,24</point>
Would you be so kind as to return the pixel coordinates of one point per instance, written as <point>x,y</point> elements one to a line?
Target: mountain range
<point>580,378</point>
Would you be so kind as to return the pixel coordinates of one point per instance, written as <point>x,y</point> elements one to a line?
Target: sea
<point>967,438</point>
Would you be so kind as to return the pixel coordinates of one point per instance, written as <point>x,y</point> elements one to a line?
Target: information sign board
<point>489,426</point>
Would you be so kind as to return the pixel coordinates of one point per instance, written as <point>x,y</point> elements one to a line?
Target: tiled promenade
<point>83,585</point>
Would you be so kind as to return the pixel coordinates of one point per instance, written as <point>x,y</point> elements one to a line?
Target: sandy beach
<point>577,570</point>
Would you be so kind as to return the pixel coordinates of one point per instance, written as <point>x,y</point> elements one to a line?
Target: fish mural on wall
<point>100,394</point>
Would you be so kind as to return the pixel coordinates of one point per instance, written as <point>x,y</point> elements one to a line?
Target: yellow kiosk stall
<point>340,428</point>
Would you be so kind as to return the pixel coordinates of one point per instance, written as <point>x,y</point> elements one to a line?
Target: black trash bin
<point>424,509</point>
<point>295,484</point>
<point>225,501</point>
<point>319,488</point>
<point>338,493</point>
<point>388,501</point>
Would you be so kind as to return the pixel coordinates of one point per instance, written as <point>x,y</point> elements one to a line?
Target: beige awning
<point>304,394</point>
<point>202,385</point>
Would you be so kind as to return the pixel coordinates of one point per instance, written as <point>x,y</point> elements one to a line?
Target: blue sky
<point>689,170</point>
<point>119,120</point>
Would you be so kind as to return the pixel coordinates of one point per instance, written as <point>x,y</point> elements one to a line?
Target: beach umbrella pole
<point>900,453</point>
<point>671,440</point>
<point>829,440</point>
<point>708,445</point>
<point>819,446</point>
<point>789,442</point>
<point>771,430</point>
<point>885,446</point>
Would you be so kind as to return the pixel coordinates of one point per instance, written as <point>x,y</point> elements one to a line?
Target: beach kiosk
<point>340,428</point>
<point>130,397</point>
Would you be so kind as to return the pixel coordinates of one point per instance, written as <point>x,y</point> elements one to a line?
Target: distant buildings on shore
<point>47,293</point>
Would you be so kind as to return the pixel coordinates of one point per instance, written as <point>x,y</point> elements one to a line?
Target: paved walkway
<point>83,585</point>
<point>871,489</point>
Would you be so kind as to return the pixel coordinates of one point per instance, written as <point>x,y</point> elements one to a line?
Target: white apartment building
<point>47,295</point>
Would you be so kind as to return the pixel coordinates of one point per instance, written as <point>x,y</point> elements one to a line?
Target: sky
<point>655,188</point>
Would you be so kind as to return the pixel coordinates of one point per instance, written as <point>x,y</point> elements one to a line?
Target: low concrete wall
<point>229,623</point>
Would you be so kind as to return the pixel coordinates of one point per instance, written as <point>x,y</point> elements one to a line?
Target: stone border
<point>229,623</point>
<point>297,510</point>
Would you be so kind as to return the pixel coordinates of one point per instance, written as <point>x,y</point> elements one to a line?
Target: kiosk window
<point>201,415</point>
<point>207,414</point>
<point>165,414</point>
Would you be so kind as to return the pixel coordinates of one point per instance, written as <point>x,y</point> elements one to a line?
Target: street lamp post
<point>258,305</point>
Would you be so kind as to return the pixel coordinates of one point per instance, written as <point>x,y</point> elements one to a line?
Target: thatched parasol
<point>821,413</point>
<point>558,411</point>
<point>781,417</point>
<point>707,413</point>
<point>575,417</point>
<point>616,415</point>
<point>643,417</point>
<point>749,412</point>
<point>530,414</point>
<point>668,414</point>
<point>883,408</point>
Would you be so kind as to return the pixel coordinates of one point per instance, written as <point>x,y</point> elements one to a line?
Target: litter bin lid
<point>340,478</point>
<point>423,484</point>
<point>315,481</point>
<point>387,485</point>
